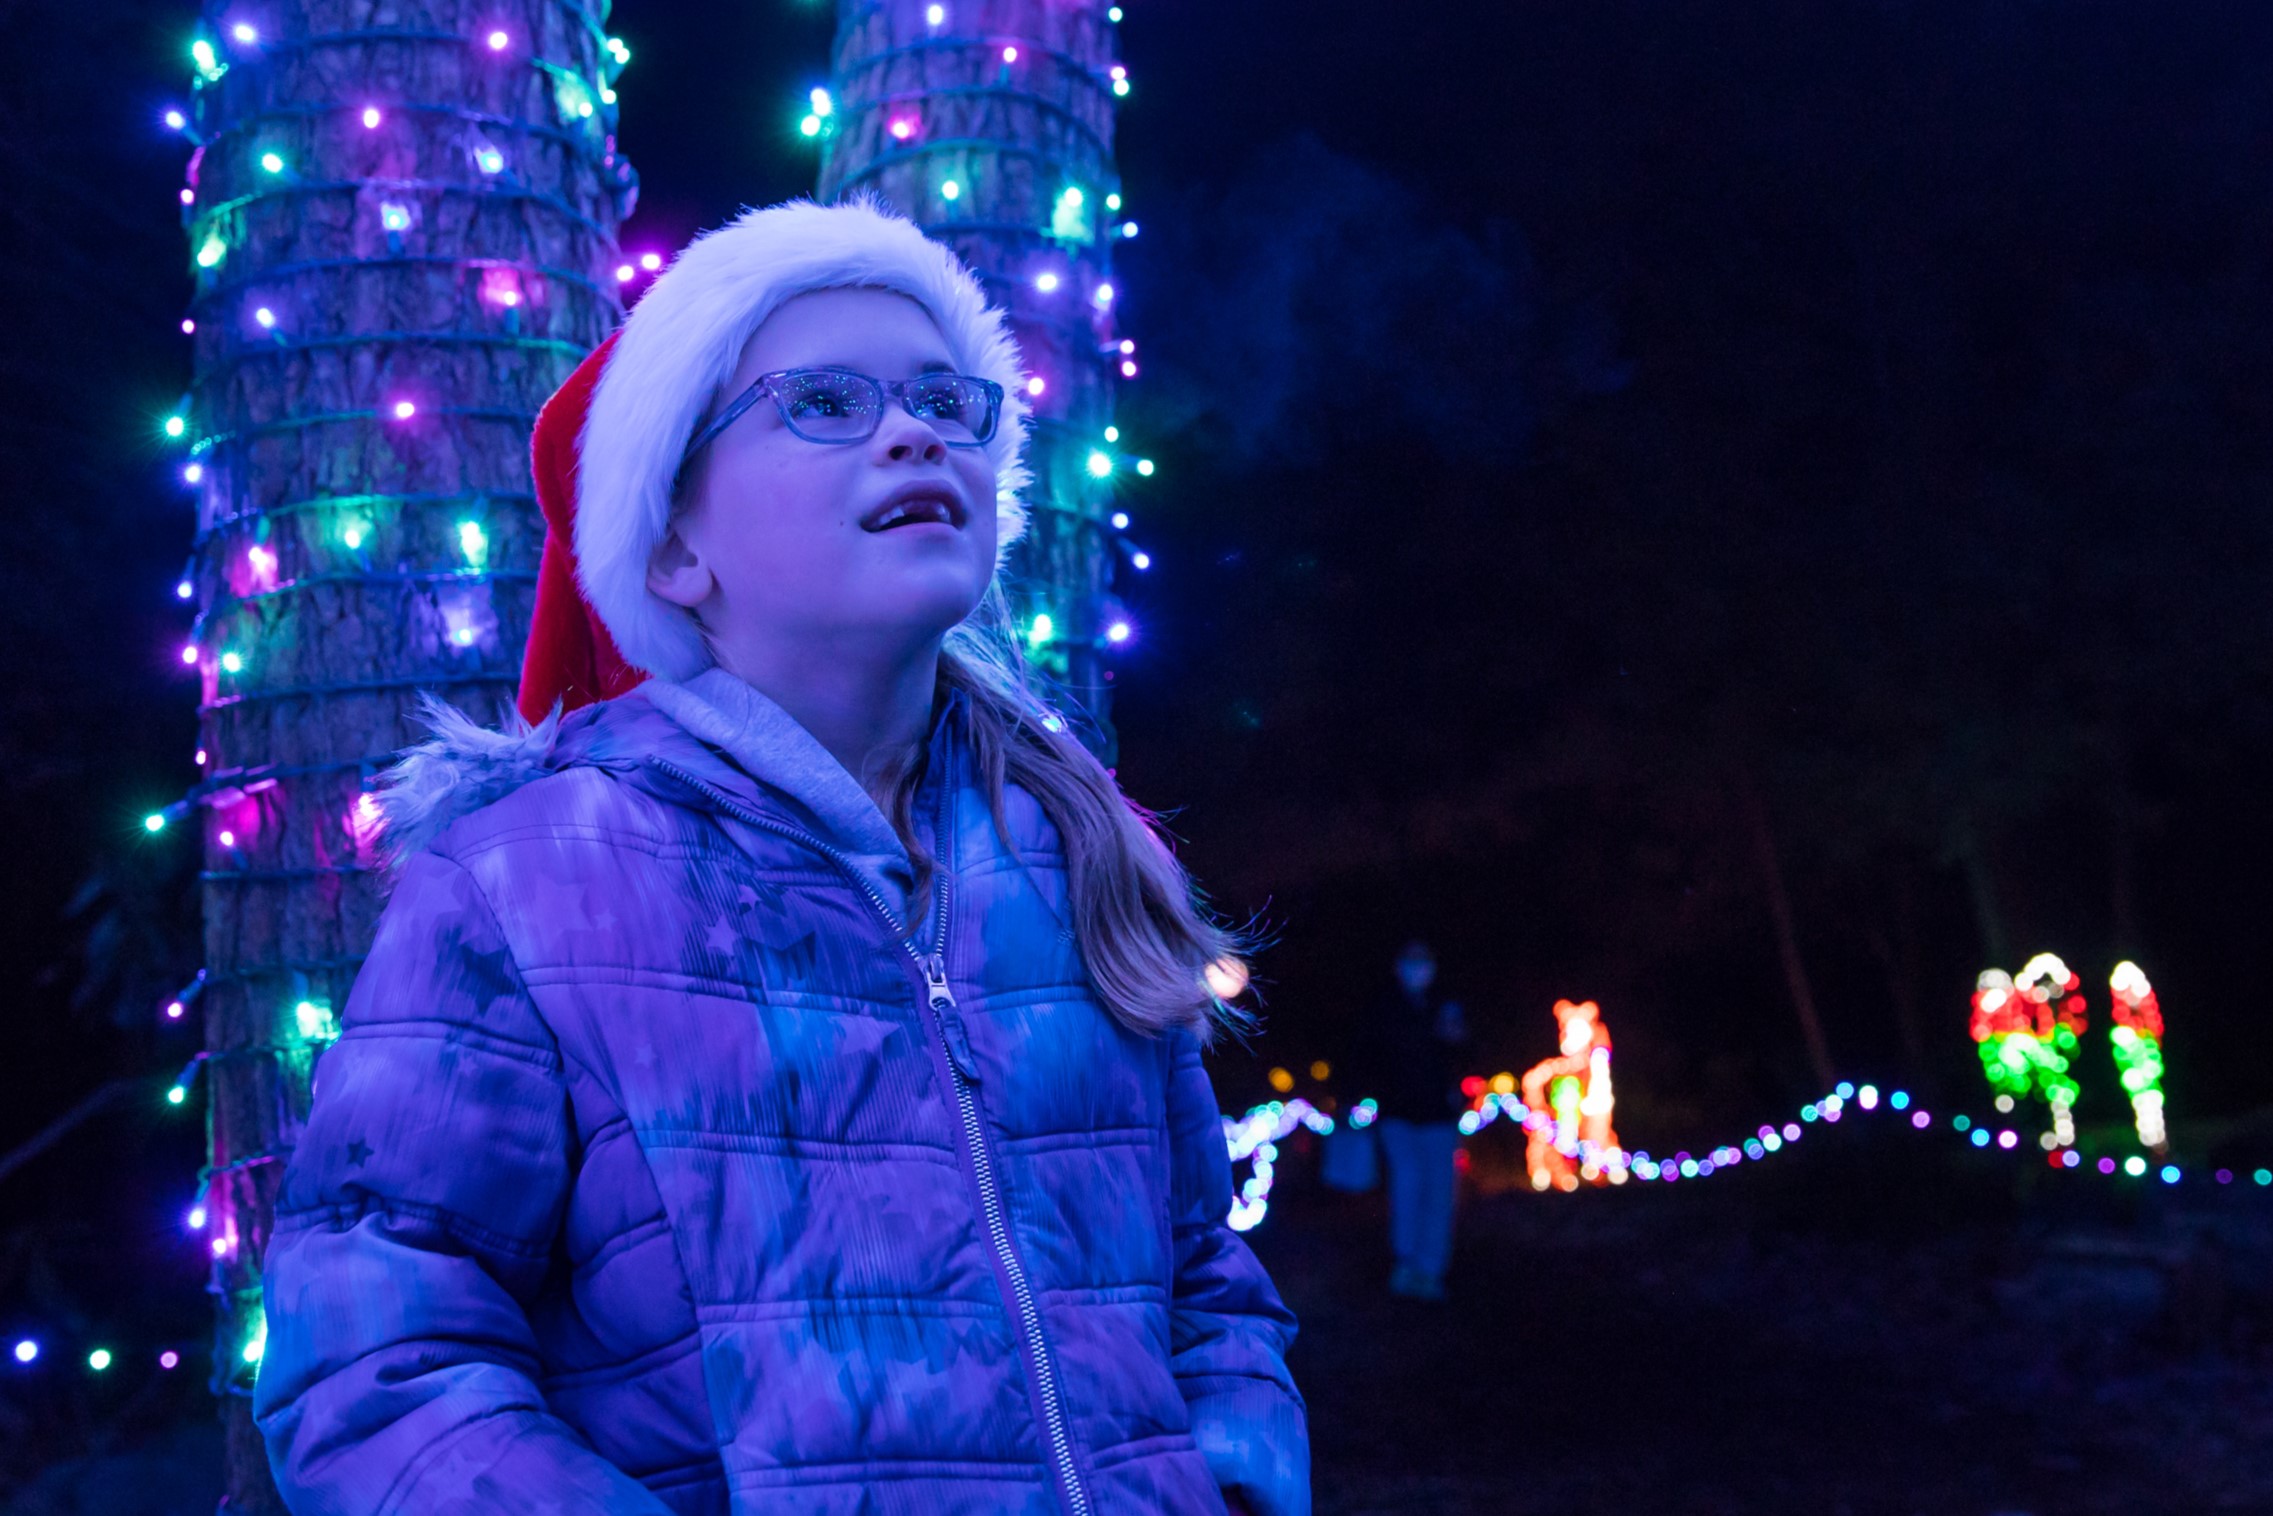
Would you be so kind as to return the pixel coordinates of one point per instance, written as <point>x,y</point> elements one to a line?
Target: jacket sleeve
<point>1228,1329</point>
<point>415,1221</point>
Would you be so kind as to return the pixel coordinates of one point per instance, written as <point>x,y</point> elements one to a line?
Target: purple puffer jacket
<point>654,1171</point>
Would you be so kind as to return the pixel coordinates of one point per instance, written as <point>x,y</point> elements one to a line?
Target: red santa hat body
<point>608,443</point>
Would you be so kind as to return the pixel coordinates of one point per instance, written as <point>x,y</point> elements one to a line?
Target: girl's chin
<point>941,591</point>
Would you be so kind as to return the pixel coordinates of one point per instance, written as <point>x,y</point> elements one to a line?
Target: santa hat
<point>608,443</point>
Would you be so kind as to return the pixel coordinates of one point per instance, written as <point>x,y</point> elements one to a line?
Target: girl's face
<point>776,538</point>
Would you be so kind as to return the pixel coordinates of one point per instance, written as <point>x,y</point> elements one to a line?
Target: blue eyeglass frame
<point>894,389</point>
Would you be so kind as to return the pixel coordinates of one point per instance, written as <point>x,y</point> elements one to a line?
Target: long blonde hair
<point>1155,951</point>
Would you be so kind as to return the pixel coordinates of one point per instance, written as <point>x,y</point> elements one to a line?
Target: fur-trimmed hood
<point>461,768</point>
<point>716,727</point>
<point>466,767</point>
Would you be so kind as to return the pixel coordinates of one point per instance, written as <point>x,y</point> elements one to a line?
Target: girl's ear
<point>676,571</point>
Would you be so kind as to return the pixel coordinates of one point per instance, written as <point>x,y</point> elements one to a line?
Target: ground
<point>1863,1328</point>
<point>1868,1329</point>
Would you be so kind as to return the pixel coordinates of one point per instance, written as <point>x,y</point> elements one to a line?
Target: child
<point>775,1084</point>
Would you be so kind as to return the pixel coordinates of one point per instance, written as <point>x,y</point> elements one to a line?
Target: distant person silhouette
<point>1409,1062</point>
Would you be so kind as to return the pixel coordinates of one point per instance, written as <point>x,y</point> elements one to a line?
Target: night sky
<point>1578,423</point>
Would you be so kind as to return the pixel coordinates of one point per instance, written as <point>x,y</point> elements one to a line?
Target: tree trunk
<point>403,238</point>
<point>1787,941</point>
<point>1896,948</point>
<point>1026,142</point>
<point>1981,888</point>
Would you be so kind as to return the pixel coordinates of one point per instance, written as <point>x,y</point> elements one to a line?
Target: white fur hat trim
<point>683,340</point>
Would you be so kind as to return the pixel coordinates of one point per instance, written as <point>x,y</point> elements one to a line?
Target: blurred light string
<point>1254,1137</point>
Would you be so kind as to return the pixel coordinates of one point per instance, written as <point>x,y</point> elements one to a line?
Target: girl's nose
<point>902,436</point>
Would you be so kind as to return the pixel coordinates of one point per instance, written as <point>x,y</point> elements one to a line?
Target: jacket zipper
<point>963,1072</point>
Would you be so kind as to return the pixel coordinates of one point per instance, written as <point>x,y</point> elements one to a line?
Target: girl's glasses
<point>835,405</point>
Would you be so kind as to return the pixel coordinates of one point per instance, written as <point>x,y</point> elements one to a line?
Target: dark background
<point>1572,419</point>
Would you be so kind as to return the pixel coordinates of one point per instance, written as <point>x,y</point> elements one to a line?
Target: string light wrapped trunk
<point>990,124</point>
<point>402,234</point>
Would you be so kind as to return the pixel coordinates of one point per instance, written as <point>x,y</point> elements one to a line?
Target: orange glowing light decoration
<point>1568,1125</point>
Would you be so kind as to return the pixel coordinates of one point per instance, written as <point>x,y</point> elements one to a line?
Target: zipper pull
<point>935,982</point>
<point>950,1022</point>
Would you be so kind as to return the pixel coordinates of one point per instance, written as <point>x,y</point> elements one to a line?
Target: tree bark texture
<point>402,237</point>
<point>917,108</point>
